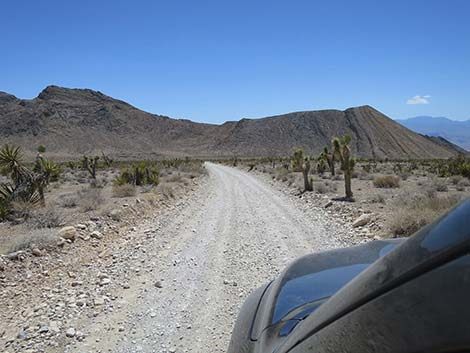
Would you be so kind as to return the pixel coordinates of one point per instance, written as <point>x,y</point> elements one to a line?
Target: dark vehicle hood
<point>310,281</point>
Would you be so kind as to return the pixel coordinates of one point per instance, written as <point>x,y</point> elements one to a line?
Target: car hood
<point>309,281</point>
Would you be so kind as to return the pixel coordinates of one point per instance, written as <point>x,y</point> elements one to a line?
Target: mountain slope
<point>457,132</point>
<point>71,122</point>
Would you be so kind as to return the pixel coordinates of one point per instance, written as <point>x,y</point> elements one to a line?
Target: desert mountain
<point>71,122</point>
<point>457,132</point>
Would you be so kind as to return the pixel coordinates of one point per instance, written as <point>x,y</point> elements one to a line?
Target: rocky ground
<point>170,282</point>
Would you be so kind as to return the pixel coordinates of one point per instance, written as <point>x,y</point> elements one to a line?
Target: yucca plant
<point>342,151</point>
<point>301,163</point>
<point>138,174</point>
<point>11,162</point>
<point>26,185</point>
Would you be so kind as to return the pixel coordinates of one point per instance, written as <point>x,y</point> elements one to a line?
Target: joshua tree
<point>90,165</point>
<point>330,159</point>
<point>108,161</point>
<point>301,163</point>
<point>342,151</point>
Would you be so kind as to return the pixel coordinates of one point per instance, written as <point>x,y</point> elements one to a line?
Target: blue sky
<point>222,60</point>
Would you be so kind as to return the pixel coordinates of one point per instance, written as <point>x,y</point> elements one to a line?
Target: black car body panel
<point>356,299</point>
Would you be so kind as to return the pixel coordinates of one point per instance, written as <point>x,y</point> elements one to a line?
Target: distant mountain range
<point>457,132</point>
<point>72,122</point>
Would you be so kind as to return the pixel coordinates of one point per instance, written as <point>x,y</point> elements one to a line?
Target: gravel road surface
<point>194,271</point>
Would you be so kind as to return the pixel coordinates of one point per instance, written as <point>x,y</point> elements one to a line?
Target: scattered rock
<point>105,281</point>
<point>362,220</point>
<point>70,332</point>
<point>328,204</point>
<point>158,284</point>
<point>96,235</point>
<point>43,329</point>
<point>54,327</point>
<point>80,226</point>
<point>68,233</point>
<point>36,252</point>
<point>98,301</point>
<point>115,214</point>
<point>17,255</point>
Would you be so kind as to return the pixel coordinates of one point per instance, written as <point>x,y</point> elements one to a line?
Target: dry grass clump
<point>455,179</point>
<point>387,181</point>
<point>166,190</point>
<point>89,199</point>
<point>377,198</point>
<point>126,190</point>
<point>411,214</point>
<point>282,173</point>
<point>324,187</point>
<point>41,239</point>
<point>68,200</point>
<point>47,217</point>
<point>439,185</point>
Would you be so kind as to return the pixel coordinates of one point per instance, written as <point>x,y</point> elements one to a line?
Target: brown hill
<point>71,122</point>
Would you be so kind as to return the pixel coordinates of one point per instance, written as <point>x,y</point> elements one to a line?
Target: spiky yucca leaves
<point>301,163</point>
<point>342,151</point>
<point>27,185</point>
<point>11,163</point>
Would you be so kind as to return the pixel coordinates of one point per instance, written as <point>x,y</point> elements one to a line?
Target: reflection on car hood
<point>310,280</point>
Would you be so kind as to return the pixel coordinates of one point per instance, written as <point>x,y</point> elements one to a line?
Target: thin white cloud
<point>419,100</point>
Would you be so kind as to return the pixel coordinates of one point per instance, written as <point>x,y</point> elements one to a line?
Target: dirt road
<point>191,275</point>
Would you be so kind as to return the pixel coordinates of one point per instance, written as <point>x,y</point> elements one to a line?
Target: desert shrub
<point>377,198</point>
<point>175,178</point>
<point>146,189</point>
<point>387,181</point>
<point>321,188</point>
<point>22,209</point>
<point>324,187</point>
<point>166,190</point>
<point>439,185</point>
<point>464,182</point>
<point>42,239</point>
<point>47,217</point>
<point>363,175</point>
<point>89,199</point>
<point>282,173</point>
<point>125,190</point>
<point>412,213</point>
<point>68,201</point>
<point>455,179</point>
